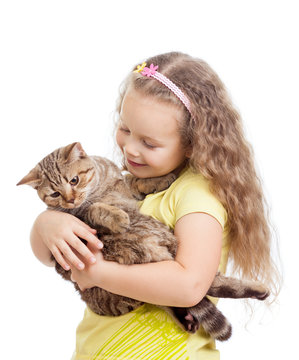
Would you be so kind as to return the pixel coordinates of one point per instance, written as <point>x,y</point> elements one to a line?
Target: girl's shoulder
<point>189,177</point>
<point>189,181</point>
<point>191,193</point>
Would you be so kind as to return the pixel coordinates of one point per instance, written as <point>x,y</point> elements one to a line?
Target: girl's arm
<point>183,282</point>
<point>58,233</point>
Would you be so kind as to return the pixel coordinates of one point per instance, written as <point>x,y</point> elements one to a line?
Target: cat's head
<point>63,178</point>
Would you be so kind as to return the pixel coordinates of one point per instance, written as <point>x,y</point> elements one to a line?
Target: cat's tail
<point>212,320</point>
<point>204,314</point>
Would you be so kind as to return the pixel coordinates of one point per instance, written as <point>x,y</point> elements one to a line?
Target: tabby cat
<point>95,190</point>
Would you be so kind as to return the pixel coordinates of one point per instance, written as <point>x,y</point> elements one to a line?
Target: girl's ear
<point>73,152</point>
<point>33,178</point>
<point>188,152</point>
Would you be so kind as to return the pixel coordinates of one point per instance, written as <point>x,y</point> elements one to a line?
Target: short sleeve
<point>195,196</point>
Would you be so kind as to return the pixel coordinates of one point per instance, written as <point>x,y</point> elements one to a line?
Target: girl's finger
<point>70,256</point>
<point>82,224</point>
<point>83,233</point>
<point>83,250</point>
<point>60,259</point>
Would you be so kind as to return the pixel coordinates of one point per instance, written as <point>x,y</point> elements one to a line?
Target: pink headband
<point>152,72</point>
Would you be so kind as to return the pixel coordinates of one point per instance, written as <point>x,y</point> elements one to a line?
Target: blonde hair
<point>221,153</point>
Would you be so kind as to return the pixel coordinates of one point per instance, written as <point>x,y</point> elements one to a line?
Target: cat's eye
<point>74,180</point>
<point>55,194</point>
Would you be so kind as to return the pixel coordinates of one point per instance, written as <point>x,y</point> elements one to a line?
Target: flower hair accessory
<point>152,72</point>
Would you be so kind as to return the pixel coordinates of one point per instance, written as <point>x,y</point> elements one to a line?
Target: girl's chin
<point>139,172</point>
<point>136,173</point>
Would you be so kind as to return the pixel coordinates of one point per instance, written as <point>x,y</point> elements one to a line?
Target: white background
<point>60,67</point>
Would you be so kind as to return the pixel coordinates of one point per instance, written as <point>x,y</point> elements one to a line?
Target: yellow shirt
<point>149,332</point>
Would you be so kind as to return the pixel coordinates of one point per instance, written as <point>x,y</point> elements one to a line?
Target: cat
<point>95,190</point>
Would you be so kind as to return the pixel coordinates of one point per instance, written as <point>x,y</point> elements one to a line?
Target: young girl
<point>174,115</point>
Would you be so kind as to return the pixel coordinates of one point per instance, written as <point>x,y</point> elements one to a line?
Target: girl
<point>174,115</point>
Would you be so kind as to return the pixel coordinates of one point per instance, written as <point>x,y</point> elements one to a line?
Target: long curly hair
<point>220,153</point>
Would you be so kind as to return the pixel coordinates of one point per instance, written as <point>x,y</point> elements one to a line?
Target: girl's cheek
<point>119,140</point>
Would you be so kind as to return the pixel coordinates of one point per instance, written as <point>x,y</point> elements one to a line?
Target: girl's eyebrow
<point>155,141</point>
<point>145,137</point>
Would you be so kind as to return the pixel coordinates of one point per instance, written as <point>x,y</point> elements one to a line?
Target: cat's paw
<point>259,292</point>
<point>186,319</point>
<point>260,295</point>
<point>154,185</point>
<point>165,182</point>
<point>120,221</point>
<point>191,324</point>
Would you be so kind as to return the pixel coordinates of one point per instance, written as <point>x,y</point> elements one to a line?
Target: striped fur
<point>106,200</point>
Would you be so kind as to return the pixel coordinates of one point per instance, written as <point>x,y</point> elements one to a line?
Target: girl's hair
<point>220,153</point>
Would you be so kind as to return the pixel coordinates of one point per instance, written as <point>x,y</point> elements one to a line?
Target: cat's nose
<point>71,201</point>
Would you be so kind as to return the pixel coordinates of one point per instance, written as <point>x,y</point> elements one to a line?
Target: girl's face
<point>148,136</point>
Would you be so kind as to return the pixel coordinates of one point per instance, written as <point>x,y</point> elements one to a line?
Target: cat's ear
<point>33,179</point>
<point>74,152</point>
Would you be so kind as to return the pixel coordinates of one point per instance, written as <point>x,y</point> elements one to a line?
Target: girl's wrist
<point>102,272</point>
<point>97,274</point>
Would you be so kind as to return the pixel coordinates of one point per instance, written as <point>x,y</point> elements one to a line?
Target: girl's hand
<point>60,233</point>
<point>89,277</point>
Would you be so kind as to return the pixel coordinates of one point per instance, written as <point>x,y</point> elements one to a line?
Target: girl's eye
<point>55,194</point>
<point>148,145</point>
<point>74,180</point>
<point>124,130</point>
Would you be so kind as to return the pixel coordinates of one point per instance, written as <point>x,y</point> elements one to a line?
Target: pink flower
<point>150,71</point>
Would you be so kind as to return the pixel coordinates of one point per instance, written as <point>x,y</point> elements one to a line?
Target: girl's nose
<point>131,149</point>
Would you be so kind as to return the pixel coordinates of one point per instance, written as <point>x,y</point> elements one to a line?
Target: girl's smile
<point>134,164</point>
<point>148,136</point>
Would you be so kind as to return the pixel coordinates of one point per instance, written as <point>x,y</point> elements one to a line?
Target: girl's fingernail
<point>92,259</point>
<point>99,245</point>
<point>81,266</point>
<point>66,267</point>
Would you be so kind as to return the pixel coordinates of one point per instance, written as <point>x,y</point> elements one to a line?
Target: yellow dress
<point>149,333</point>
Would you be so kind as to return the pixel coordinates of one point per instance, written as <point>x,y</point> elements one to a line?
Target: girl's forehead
<point>140,111</point>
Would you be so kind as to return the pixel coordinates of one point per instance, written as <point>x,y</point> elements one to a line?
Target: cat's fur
<point>94,189</point>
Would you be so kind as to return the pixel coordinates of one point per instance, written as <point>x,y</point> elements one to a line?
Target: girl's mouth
<point>132,163</point>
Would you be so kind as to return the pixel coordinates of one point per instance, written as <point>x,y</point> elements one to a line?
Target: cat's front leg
<point>111,217</point>
<point>141,187</point>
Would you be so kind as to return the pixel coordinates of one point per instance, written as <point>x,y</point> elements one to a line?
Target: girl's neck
<point>179,169</point>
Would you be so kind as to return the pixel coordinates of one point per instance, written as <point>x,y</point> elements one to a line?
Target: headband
<point>152,72</point>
